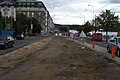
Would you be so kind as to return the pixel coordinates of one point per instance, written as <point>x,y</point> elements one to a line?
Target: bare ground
<point>56,58</point>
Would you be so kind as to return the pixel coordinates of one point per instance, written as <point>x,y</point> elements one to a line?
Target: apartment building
<point>30,8</point>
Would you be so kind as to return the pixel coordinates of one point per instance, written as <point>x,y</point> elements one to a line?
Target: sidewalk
<point>102,51</point>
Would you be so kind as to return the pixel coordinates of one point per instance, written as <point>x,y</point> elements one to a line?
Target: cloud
<point>68,11</point>
<point>111,1</point>
<point>114,1</point>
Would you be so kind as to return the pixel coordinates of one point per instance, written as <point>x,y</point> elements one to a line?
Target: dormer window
<point>24,3</point>
<point>28,3</point>
<point>0,8</point>
<point>32,14</point>
<point>6,3</point>
<point>19,3</point>
<point>39,4</point>
<point>5,10</point>
<point>32,3</point>
<point>12,8</point>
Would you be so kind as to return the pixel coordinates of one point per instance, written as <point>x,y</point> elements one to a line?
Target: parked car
<point>20,37</point>
<point>97,36</point>
<point>6,41</point>
<point>114,41</point>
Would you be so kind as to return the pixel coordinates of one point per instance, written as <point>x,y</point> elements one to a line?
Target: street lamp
<point>93,15</point>
<point>84,17</point>
<point>67,22</point>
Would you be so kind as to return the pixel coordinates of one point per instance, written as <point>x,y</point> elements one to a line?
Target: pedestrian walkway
<point>102,51</point>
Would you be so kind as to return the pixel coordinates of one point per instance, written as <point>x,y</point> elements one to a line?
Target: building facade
<point>30,8</point>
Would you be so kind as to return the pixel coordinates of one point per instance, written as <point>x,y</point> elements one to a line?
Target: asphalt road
<point>29,40</point>
<point>21,43</point>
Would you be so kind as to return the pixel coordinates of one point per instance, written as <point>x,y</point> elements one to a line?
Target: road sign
<point>82,35</point>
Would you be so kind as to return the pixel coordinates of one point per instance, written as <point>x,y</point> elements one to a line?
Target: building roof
<point>27,1</point>
<point>8,0</point>
<point>20,0</point>
<point>16,3</point>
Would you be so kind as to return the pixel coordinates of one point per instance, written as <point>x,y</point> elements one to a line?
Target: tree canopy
<point>23,25</point>
<point>107,20</point>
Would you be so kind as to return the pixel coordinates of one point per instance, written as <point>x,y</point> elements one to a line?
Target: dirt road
<point>57,58</point>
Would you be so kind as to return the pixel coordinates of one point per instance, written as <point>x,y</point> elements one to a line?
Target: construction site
<point>57,58</point>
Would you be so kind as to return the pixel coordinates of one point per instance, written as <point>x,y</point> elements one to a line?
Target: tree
<point>107,21</point>
<point>36,26</point>
<point>63,29</point>
<point>2,21</point>
<point>87,27</point>
<point>18,28</point>
<point>20,24</point>
<point>0,15</point>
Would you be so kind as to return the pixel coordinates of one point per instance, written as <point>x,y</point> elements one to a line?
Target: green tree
<point>87,27</point>
<point>63,29</point>
<point>2,21</point>
<point>36,26</point>
<point>18,28</point>
<point>20,24</point>
<point>107,21</point>
<point>23,25</point>
<point>0,15</point>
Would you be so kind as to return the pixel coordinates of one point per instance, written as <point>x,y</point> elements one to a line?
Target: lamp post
<point>84,17</point>
<point>93,16</point>
<point>93,13</point>
<point>67,22</point>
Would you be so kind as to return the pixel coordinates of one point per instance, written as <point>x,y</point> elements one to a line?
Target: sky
<point>78,11</point>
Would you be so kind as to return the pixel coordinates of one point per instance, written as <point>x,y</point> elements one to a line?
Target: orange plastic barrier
<point>83,47</point>
<point>113,51</point>
<point>93,44</point>
<point>82,43</point>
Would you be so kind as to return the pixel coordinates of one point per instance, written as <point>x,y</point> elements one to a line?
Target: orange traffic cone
<point>93,44</point>
<point>83,47</point>
<point>113,51</point>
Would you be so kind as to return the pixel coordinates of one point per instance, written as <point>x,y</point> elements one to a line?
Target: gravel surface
<point>57,58</point>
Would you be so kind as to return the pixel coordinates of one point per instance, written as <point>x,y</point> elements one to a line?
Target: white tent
<point>73,31</point>
<point>104,33</point>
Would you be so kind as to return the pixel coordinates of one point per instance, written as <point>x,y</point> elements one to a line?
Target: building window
<point>19,12</point>
<point>5,13</point>
<point>5,10</point>
<point>19,3</point>
<point>24,3</point>
<point>39,19</point>
<point>28,3</point>
<point>32,14</point>
<point>39,13</point>
<point>39,4</point>
<point>12,8</point>
<point>28,14</point>
<point>24,13</point>
<point>32,3</point>
<point>12,13</point>
<point>0,8</point>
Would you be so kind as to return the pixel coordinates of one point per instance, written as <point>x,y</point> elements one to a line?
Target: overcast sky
<point>78,11</point>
